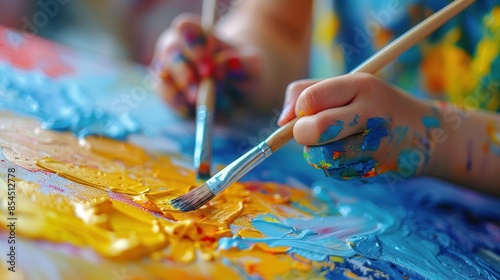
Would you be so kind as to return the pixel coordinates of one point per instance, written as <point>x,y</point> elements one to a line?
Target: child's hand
<point>355,126</point>
<point>184,55</point>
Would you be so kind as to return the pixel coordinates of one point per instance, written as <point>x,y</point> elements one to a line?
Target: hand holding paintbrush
<point>201,195</point>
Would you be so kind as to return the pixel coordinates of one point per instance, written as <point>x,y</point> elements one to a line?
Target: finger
<point>182,28</point>
<point>292,93</point>
<point>174,67</point>
<point>239,69</point>
<point>338,123</point>
<point>172,96</point>
<point>334,92</point>
<point>196,45</point>
<point>342,159</point>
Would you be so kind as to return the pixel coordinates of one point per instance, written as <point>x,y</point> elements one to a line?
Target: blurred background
<point>122,29</point>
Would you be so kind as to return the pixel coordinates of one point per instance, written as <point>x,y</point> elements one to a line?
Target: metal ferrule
<point>203,140</point>
<point>238,168</point>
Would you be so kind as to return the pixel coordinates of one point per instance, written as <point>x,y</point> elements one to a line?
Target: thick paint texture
<point>59,106</point>
<point>96,208</point>
<point>113,198</point>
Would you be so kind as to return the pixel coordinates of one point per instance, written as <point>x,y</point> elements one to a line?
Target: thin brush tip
<point>193,199</point>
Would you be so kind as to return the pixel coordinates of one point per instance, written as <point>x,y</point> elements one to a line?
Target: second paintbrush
<point>237,169</point>
<point>204,128</point>
<point>205,103</point>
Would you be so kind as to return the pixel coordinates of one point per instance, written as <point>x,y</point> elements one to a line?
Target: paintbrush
<point>205,103</point>
<point>234,171</point>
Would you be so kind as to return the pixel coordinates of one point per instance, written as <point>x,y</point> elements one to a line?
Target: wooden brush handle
<point>281,136</point>
<point>377,61</point>
<point>206,94</point>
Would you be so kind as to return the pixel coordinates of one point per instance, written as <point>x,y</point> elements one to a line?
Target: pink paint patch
<point>59,189</point>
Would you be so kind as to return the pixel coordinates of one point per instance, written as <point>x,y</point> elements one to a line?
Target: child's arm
<point>256,50</point>
<point>357,127</point>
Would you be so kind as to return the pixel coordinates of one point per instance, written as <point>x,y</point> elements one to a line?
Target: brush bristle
<point>193,199</point>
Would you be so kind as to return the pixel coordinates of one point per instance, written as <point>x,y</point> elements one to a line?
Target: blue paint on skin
<point>332,131</point>
<point>354,170</point>
<point>398,134</point>
<point>60,106</point>
<point>378,128</point>
<point>408,162</point>
<point>349,158</point>
<point>354,121</point>
<point>431,122</point>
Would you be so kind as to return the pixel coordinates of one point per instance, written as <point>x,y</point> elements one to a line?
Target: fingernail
<point>284,112</point>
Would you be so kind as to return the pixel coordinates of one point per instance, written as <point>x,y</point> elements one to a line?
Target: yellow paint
<point>445,64</point>
<point>118,205</point>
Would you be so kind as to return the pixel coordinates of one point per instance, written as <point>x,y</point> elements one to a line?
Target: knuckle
<point>308,100</point>
<point>364,81</point>
<point>296,87</point>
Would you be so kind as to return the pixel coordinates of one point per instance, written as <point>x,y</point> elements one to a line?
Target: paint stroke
<point>431,122</point>
<point>332,131</point>
<point>343,159</point>
<point>266,229</point>
<point>60,106</point>
<point>408,162</point>
<point>354,121</point>
<point>376,130</point>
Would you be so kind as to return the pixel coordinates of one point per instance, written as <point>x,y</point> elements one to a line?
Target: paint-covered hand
<point>356,126</point>
<point>185,54</point>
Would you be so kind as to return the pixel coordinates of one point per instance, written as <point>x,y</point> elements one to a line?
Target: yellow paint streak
<point>119,205</point>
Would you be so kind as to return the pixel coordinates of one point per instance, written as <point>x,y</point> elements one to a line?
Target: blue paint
<point>271,229</point>
<point>354,170</point>
<point>354,121</point>
<point>421,229</point>
<point>60,106</point>
<point>332,131</point>
<point>431,122</point>
<point>378,128</point>
<point>398,135</point>
<point>349,158</point>
<point>342,159</point>
<point>408,162</point>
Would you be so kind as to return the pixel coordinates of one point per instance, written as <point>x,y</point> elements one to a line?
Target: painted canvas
<point>90,159</point>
